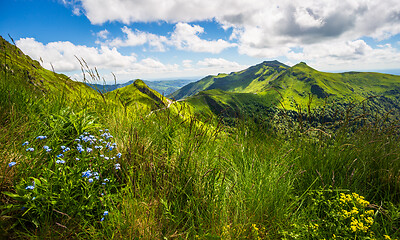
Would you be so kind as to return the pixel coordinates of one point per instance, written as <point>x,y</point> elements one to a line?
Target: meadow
<point>80,164</point>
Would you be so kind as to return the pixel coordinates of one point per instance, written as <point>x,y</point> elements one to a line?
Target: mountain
<point>104,88</point>
<point>251,80</point>
<point>164,87</point>
<point>301,83</point>
<point>298,89</point>
<point>139,96</point>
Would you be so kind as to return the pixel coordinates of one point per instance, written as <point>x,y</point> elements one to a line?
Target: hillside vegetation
<point>299,90</point>
<point>130,164</point>
<point>164,87</point>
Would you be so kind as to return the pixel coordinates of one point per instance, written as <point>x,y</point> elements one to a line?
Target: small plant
<point>71,181</point>
<point>333,215</point>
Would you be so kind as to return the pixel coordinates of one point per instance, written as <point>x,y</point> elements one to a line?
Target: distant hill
<point>138,95</point>
<point>164,87</point>
<point>297,88</point>
<point>251,80</point>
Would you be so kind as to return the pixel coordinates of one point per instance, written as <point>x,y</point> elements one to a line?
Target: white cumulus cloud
<point>62,55</point>
<point>264,29</point>
<point>184,37</point>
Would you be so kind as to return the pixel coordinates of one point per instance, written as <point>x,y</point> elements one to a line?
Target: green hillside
<point>297,89</point>
<point>129,164</point>
<point>31,74</point>
<point>251,80</point>
<point>164,87</point>
<point>138,95</point>
<point>297,82</point>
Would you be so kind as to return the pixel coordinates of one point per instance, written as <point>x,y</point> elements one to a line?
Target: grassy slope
<point>40,79</point>
<point>298,88</point>
<point>252,80</point>
<point>164,87</point>
<point>138,95</point>
<point>181,178</point>
<point>301,80</point>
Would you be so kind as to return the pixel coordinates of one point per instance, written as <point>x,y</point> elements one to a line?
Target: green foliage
<point>64,183</point>
<point>251,80</point>
<point>335,214</point>
<point>257,173</point>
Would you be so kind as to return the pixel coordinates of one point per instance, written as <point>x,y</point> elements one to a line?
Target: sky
<point>180,39</point>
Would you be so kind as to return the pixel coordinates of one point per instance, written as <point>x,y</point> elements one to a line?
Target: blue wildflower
<point>60,161</point>
<point>77,140</point>
<point>77,159</point>
<point>30,149</point>
<point>102,219</point>
<point>90,180</point>
<point>11,164</point>
<point>106,158</point>
<point>89,150</point>
<point>60,155</point>
<point>87,174</point>
<point>106,130</point>
<point>63,147</point>
<point>119,155</point>
<point>41,137</point>
<point>30,187</point>
<point>80,149</point>
<point>25,143</point>
<point>117,166</point>
<point>105,213</point>
<point>101,155</point>
<point>47,148</point>
<point>101,130</point>
<point>66,149</point>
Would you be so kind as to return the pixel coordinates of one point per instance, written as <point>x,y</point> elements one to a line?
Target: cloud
<point>106,59</point>
<point>62,55</point>
<point>187,63</point>
<point>218,63</point>
<point>184,37</point>
<point>136,38</point>
<point>103,34</point>
<point>258,26</point>
<point>352,55</point>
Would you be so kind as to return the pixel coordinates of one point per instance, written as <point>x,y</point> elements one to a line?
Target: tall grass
<point>183,177</point>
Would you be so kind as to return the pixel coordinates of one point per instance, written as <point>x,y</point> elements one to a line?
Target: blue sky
<point>166,39</point>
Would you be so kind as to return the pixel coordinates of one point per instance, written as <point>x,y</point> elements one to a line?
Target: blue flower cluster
<point>101,148</point>
<point>11,164</point>
<point>92,155</point>
<point>30,187</point>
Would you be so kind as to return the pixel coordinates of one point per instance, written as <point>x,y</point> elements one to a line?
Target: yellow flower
<point>370,212</point>
<point>387,237</point>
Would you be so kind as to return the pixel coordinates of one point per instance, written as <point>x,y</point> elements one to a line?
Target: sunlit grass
<point>182,176</point>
